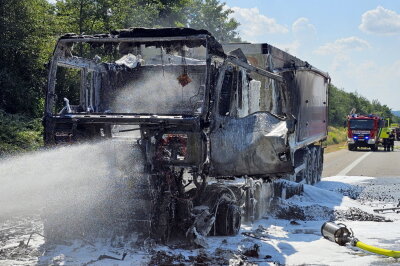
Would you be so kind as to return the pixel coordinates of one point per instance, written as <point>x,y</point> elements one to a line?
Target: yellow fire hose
<point>342,235</point>
<point>381,251</point>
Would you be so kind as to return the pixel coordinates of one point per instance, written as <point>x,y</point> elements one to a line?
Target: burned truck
<point>216,124</point>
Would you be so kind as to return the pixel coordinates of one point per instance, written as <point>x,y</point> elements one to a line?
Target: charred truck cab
<point>201,111</point>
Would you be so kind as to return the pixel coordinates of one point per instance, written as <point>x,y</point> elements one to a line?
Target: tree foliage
<point>26,42</point>
<point>214,16</point>
<point>99,16</point>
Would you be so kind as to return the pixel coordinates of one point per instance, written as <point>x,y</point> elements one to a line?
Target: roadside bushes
<point>336,135</point>
<point>19,133</point>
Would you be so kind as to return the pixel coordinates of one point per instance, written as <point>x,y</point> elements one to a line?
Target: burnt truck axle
<point>215,125</point>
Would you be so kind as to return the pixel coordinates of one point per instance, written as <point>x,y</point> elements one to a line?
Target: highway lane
<point>363,163</point>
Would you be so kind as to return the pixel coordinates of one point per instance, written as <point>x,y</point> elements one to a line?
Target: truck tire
<point>374,147</point>
<point>313,166</point>
<point>253,209</point>
<point>305,175</point>
<point>316,164</point>
<point>258,212</point>
<point>228,219</point>
<point>319,159</point>
<point>222,201</point>
<point>308,172</point>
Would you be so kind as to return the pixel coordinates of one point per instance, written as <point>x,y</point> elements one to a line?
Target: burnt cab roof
<point>214,45</point>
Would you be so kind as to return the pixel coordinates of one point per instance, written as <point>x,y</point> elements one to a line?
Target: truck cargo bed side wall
<point>308,104</point>
<point>308,98</point>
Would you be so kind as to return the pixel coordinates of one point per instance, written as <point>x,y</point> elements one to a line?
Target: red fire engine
<point>364,131</point>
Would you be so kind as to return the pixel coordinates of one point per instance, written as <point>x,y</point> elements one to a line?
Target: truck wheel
<point>228,219</point>
<point>315,165</point>
<point>351,147</point>
<point>312,167</point>
<point>222,201</point>
<point>258,212</point>
<point>374,147</point>
<point>319,159</point>
<point>253,206</point>
<point>312,157</point>
<point>309,167</point>
<point>305,174</point>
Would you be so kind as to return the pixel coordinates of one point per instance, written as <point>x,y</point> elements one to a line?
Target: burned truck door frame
<point>256,141</point>
<point>60,126</point>
<point>89,81</point>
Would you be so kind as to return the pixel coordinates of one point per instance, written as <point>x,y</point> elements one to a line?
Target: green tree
<point>80,16</point>
<point>213,16</point>
<point>137,13</point>
<point>26,42</point>
<point>171,13</point>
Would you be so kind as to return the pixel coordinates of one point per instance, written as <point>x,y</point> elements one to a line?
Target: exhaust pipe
<point>337,233</point>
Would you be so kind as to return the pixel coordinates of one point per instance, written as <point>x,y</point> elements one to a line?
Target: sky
<point>357,42</point>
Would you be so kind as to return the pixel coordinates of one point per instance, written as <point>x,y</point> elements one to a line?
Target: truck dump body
<point>285,115</point>
<point>200,110</point>
<point>303,95</point>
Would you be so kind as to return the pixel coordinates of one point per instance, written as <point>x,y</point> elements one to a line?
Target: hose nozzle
<point>337,233</point>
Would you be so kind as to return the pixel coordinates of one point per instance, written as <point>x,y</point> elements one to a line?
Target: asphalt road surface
<point>363,162</point>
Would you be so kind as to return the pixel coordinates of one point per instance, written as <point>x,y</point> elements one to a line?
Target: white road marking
<point>352,165</point>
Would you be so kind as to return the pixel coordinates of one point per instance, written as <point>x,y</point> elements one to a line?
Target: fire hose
<point>341,235</point>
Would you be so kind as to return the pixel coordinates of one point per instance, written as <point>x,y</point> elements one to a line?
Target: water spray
<point>342,235</point>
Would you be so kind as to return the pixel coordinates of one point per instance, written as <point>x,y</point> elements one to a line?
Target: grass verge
<point>337,137</point>
<point>19,133</point>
